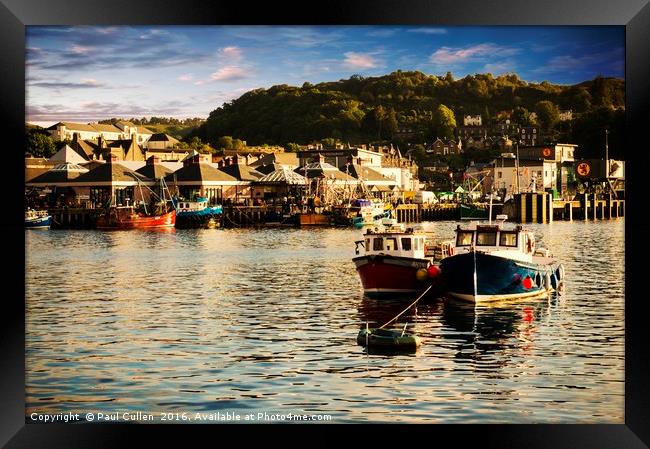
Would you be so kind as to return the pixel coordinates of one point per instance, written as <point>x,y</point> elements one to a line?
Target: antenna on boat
<point>490,214</point>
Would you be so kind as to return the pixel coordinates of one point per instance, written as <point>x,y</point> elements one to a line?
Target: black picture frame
<point>633,14</point>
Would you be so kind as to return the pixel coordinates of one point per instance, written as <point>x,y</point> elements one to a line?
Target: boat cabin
<point>494,238</point>
<point>192,206</point>
<point>394,240</point>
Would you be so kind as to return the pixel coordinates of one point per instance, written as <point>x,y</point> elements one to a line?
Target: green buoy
<point>388,339</point>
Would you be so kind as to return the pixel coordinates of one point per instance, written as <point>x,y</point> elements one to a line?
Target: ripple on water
<point>266,320</point>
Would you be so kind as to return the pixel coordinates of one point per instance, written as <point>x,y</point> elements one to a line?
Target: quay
<point>543,208</point>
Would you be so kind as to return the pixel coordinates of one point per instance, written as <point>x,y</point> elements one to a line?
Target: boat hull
<point>38,223</point>
<point>312,219</point>
<point>383,275</point>
<point>205,218</point>
<point>472,212</point>
<point>497,278</point>
<point>137,222</point>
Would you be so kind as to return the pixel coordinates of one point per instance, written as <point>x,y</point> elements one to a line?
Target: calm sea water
<point>265,320</point>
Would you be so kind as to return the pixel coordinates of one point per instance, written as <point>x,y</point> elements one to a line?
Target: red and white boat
<point>398,261</point>
<point>128,218</point>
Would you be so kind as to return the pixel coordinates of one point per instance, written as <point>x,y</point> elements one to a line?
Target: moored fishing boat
<point>398,261</point>
<point>197,214</point>
<point>128,218</point>
<point>495,262</point>
<point>37,219</point>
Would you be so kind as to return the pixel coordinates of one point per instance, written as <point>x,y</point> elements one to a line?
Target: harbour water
<point>265,320</point>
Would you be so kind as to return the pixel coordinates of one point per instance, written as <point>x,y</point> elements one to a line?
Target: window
<point>406,244</point>
<point>486,238</point>
<point>464,238</point>
<point>508,239</point>
<point>391,244</point>
<point>367,244</point>
<point>534,131</point>
<point>378,244</point>
<point>500,175</point>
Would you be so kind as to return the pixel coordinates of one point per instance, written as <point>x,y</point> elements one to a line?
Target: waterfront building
<point>535,175</point>
<point>197,178</point>
<point>56,184</point>
<point>274,161</point>
<point>35,166</point>
<point>67,154</point>
<point>340,156</point>
<point>153,169</point>
<point>283,182</point>
<point>237,168</point>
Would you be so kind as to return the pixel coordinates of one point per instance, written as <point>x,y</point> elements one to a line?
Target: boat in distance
<point>128,218</point>
<point>37,219</point>
<point>494,262</point>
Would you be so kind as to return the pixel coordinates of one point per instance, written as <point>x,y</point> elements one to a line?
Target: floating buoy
<point>421,274</point>
<point>387,339</point>
<point>433,271</point>
<point>547,282</point>
<point>527,283</point>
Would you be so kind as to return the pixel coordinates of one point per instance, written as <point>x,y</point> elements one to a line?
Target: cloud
<point>186,77</point>
<point>80,50</point>
<point>428,30</point>
<point>382,32</point>
<point>229,73</point>
<point>594,62</point>
<point>450,55</point>
<point>499,68</point>
<point>360,60</point>
<point>83,84</point>
<point>231,53</point>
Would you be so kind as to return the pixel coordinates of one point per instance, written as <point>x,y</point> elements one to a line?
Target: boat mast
<point>517,163</point>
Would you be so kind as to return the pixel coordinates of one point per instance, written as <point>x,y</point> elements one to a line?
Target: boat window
<point>486,238</point>
<point>406,244</point>
<point>378,244</point>
<point>464,238</point>
<point>391,244</point>
<point>367,244</point>
<point>508,239</point>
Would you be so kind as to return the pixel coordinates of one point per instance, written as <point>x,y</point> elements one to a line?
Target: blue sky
<point>91,73</point>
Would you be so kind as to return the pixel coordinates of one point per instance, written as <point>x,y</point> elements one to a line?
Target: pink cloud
<point>360,60</point>
<point>229,73</point>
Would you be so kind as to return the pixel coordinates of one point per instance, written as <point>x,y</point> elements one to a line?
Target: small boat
<point>37,219</point>
<point>128,218</point>
<point>361,212</point>
<point>473,211</point>
<point>388,339</point>
<point>397,261</point>
<point>197,213</point>
<point>493,262</point>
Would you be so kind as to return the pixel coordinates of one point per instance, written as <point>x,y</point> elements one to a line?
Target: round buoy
<point>527,283</point>
<point>433,271</point>
<point>547,282</point>
<point>421,274</point>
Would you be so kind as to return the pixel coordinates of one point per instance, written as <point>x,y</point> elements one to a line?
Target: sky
<point>84,74</point>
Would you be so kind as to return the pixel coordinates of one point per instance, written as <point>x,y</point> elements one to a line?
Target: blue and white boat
<point>37,219</point>
<point>193,214</point>
<point>493,262</point>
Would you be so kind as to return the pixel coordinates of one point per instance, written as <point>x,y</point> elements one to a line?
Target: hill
<point>361,110</point>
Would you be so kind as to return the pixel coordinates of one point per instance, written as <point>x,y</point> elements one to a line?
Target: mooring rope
<point>410,305</point>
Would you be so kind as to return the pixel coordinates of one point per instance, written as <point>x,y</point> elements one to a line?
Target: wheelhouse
<point>495,237</point>
<point>398,243</point>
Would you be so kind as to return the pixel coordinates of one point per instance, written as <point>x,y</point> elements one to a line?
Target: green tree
<point>40,144</point>
<point>444,122</point>
<point>224,142</point>
<point>238,145</point>
<point>548,114</point>
<point>292,147</point>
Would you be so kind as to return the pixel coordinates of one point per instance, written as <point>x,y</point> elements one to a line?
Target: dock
<point>543,208</point>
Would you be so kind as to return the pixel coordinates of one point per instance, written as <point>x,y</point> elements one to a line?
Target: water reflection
<point>267,319</point>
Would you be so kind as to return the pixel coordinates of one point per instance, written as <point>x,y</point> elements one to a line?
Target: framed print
<point>419,215</point>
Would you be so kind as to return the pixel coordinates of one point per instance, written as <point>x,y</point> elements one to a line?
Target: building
<point>340,156</point>
<point>122,130</point>
<point>560,152</point>
<point>472,120</point>
<point>445,147</point>
<point>535,175</point>
<point>477,133</point>
<point>528,136</point>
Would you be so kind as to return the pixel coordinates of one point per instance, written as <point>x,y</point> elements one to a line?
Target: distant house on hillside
<point>122,130</point>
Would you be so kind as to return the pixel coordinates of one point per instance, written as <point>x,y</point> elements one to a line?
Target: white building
<point>534,175</point>
<point>92,131</point>
<point>472,120</point>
